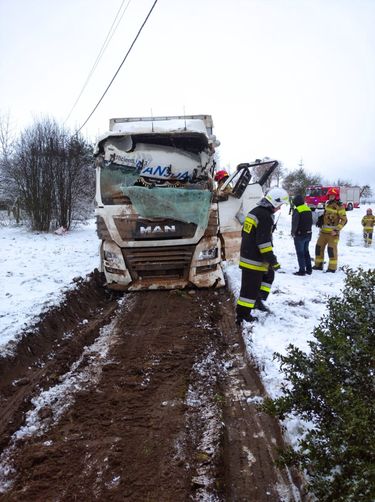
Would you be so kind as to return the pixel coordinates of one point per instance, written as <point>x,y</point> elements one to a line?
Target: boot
<point>329,270</point>
<point>315,267</point>
<point>259,305</point>
<point>300,272</point>
<point>247,318</point>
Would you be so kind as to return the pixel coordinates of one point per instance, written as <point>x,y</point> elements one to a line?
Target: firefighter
<point>301,233</point>
<point>368,222</point>
<point>220,178</point>
<point>222,194</point>
<point>258,261</point>
<point>331,223</point>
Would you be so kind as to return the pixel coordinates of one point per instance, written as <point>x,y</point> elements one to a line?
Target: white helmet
<point>277,196</point>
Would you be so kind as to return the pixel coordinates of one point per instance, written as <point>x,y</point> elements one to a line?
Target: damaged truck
<point>160,218</point>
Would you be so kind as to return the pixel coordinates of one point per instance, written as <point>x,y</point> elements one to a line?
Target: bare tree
<point>6,152</point>
<point>31,170</point>
<point>74,180</point>
<point>366,192</point>
<point>51,170</point>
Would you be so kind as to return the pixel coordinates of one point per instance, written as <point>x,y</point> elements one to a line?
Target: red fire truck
<point>316,196</point>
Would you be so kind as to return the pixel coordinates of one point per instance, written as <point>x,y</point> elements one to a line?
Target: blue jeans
<point>301,243</point>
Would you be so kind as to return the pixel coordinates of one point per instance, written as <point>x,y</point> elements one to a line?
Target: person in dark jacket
<point>258,261</point>
<point>301,232</point>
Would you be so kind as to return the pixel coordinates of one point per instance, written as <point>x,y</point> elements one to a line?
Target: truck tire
<point>349,207</point>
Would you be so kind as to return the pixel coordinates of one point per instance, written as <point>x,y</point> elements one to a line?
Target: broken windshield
<point>113,179</point>
<point>154,198</point>
<point>190,206</point>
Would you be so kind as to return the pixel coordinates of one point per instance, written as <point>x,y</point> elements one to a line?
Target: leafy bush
<point>333,387</point>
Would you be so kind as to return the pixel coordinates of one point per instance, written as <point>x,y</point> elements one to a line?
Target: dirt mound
<point>39,339</point>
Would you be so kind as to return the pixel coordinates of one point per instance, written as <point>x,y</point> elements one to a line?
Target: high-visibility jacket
<point>334,217</point>
<point>256,245</point>
<point>301,220</point>
<point>368,222</point>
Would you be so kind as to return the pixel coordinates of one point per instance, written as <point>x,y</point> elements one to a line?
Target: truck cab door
<point>232,209</point>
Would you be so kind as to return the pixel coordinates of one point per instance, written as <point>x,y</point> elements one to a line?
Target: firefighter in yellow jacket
<point>332,222</point>
<point>368,222</point>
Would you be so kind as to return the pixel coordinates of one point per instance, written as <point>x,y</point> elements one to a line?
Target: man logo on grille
<point>157,229</point>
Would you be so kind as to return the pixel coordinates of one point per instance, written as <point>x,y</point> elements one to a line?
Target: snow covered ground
<point>36,269</point>
<point>298,303</point>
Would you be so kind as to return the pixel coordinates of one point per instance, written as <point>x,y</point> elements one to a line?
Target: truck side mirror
<point>242,183</point>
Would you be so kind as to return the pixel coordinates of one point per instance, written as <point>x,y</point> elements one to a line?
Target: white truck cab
<point>160,220</point>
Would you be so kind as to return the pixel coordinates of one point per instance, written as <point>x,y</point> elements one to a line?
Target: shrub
<point>333,387</point>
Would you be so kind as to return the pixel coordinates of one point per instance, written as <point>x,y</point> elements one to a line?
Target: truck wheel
<point>349,207</point>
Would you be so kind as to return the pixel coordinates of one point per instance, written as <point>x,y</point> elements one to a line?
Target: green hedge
<point>333,387</point>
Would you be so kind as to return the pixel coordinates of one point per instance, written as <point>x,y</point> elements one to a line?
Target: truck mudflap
<point>166,267</point>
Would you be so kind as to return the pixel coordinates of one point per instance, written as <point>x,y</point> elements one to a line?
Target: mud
<point>143,397</point>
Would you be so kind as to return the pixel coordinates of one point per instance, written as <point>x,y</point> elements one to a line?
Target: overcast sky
<point>288,79</point>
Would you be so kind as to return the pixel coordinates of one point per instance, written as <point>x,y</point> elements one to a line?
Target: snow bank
<point>35,270</point>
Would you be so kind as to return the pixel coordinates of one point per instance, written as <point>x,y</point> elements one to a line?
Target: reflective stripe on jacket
<point>368,222</point>
<point>334,217</point>
<point>301,220</point>
<point>256,245</point>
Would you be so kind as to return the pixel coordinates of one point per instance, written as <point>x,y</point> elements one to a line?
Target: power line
<point>119,68</point>
<point>108,38</point>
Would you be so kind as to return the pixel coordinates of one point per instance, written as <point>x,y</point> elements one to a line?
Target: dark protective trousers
<point>331,242</point>
<point>301,243</point>
<point>254,284</point>
<point>367,236</point>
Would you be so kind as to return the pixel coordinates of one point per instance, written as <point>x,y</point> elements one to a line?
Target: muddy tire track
<point>166,418</point>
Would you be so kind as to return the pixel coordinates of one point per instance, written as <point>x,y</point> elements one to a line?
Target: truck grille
<point>138,229</point>
<point>159,262</point>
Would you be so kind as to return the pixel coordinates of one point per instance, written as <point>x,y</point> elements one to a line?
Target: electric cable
<point>119,68</point>
<point>106,42</point>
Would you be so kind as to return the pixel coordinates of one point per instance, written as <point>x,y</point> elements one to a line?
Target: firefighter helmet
<point>277,196</point>
<point>220,175</point>
<point>333,191</point>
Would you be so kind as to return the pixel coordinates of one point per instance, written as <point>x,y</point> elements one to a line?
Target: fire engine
<point>316,196</point>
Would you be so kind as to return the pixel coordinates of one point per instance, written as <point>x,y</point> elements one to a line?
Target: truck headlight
<point>208,254</point>
<point>112,259</point>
